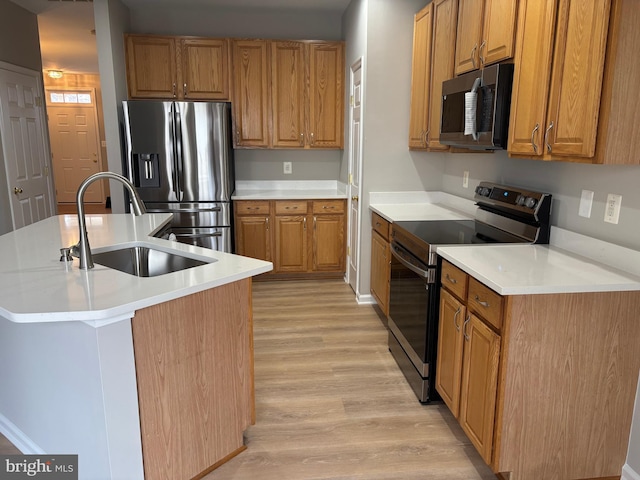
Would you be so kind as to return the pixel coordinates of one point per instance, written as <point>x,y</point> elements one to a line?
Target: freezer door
<point>150,149</point>
<point>204,151</point>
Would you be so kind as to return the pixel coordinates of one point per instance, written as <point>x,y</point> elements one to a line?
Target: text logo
<point>45,467</point>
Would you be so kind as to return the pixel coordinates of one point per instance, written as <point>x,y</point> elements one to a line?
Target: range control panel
<point>513,198</point>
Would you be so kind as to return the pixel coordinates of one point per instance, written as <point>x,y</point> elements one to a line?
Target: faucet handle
<point>65,254</point>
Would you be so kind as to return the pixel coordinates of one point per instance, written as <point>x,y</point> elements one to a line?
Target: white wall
<point>388,165</point>
<point>112,21</point>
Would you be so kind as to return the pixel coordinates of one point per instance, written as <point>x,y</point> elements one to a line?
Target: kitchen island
<point>141,377</point>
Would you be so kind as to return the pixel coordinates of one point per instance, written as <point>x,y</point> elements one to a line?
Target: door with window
<point>24,147</point>
<point>75,144</point>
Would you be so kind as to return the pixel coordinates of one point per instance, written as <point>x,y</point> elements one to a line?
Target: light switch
<point>586,201</point>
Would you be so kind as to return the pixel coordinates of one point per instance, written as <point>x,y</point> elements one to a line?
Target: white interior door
<point>24,145</point>
<point>355,167</point>
<point>73,132</point>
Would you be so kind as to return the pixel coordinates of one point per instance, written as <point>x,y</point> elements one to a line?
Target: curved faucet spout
<point>83,249</point>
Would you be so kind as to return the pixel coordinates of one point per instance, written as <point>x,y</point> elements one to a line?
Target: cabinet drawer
<point>328,206</point>
<point>454,280</point>
<point>485,302</point>
<point>252,207</point>
<point>289,207</point>
<point>380,225</point>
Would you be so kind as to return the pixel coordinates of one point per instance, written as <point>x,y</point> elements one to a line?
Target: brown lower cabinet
<point>380,262</point>
<point>303,238</point>
<point>543,385</point>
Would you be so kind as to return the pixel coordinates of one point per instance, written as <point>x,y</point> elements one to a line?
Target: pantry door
<point>355,169</point>
<point>24,146</point>
<point>75,144</point>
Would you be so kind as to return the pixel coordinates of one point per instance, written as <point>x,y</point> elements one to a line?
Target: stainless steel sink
<point>143,261</point>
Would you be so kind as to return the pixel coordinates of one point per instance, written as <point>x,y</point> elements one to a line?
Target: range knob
<point>483,191</point>
<point>530,202</point>
<point>520,200</point>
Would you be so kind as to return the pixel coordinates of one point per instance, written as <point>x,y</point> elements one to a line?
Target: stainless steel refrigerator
<point>179,156</point>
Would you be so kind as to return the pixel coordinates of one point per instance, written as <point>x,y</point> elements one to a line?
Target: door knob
<point>17,190</point>
<point>355,198</point>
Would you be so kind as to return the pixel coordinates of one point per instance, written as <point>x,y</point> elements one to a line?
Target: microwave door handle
<point>419,271</point>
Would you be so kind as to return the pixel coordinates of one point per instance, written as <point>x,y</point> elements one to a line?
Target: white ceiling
<point>67,42</point>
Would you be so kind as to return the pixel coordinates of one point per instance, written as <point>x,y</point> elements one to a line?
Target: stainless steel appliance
<point>504,215</point>
<point>179,156</point>
<point>475,108</point>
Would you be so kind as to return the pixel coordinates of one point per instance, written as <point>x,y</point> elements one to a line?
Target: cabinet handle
<point>464,328</point>
<point>426,138</point>
<point>174,90</point>
<point>313,140</point>
<point>455,318</point>
<point>451,279</point>
<point>184,89</point>
<point>302,139</point>
<point>484,42</point>
<point>533,143</point>
<point>289,208</point>
<point>237,137</point>
<point>484,304</point>
<point>473,55</point>
<point>315,220</point>
<point>304,223</point>
<point>267,221</point>
<point>546,137</point>
<point>378,224</point>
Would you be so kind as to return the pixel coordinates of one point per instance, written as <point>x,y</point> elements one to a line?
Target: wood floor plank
<point>331,402</point>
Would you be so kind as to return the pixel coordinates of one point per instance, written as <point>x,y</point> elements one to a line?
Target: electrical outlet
<point>612,208</point>
<point>586,201</point>
<point>465,179</point>
<point>288,169</point>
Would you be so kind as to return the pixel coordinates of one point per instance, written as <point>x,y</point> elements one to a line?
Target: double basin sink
<point>145,260</point>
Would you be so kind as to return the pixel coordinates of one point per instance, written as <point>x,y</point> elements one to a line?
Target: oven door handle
<point>419,271</point>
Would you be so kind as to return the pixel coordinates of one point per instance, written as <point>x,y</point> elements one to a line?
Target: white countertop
<point>284,190</point>
<point>571,263</point>
<point>537,269</point>
<point>36,287</point>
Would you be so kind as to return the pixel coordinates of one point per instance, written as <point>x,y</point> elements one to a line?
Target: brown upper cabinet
<point>485,34</point>
<point>250,93</point>
<point>181,68</point>
<point>559,68</point>
<point>306,82</point>
<point>434,44</point>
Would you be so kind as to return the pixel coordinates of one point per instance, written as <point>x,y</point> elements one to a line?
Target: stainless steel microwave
<point>475,108</point>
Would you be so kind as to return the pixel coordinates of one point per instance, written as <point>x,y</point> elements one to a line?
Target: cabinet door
<point>326,95</point>
<point>328,243</point>
<point>469,35</point>
<point>151,67</point>
<point>291,244</point>
<point>530,94</point>
<point>420,77</point>
<point>253,237</point>
<point>479,384</point>
<point>576,79</point>
<point>498,31</point>
<point>251,105</point>
<point>205,69</point>
<point>450,343</point>
<point>287,94</point>
<point>445,14</point>
<point>380,271</point>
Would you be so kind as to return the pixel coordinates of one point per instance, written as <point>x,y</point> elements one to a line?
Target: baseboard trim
<point>16,436</point>
<point>629,473</point>
<point>365,299</point>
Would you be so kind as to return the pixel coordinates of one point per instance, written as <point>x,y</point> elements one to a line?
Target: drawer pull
<point>455,319</point>
<point>451,279</point>
<point>289,208</point>
<point>484,304</point>
<point>378,224</point>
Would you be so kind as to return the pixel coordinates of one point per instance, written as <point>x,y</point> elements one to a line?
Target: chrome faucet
<point>82,249</point>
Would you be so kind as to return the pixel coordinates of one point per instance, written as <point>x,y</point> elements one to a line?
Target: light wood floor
<point>331,402</point>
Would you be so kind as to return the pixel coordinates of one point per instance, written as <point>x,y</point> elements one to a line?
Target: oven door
<point>413,308</point>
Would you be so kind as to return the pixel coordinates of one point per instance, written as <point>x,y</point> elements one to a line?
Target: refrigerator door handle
<point>178,150</point>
